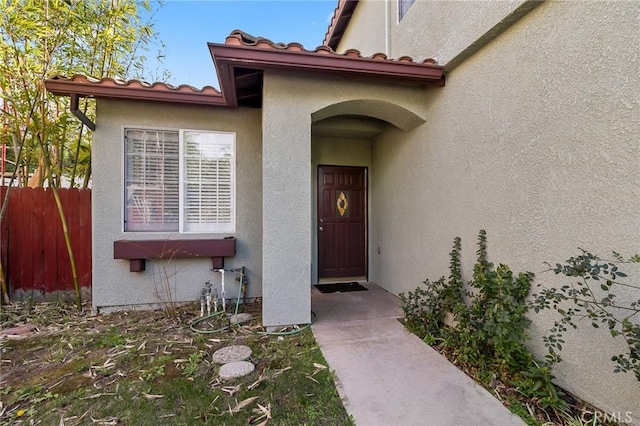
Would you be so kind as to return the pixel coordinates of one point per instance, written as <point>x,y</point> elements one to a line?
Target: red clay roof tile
<point>243,52</point>
<point>240,38</point>
<point>240,63</point>
<point>108,81</point>
<point>339,21</point>
<point>132,89</point>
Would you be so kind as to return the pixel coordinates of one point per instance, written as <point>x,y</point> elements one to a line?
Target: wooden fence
<point>33,250</point>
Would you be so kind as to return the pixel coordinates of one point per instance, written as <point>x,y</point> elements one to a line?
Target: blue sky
<point>185,27</point>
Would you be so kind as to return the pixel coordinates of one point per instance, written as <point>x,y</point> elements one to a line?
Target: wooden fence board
<point>37,247</point>
<point>32,246</point>
<point>24,234</point>
<point>64,268</point>
<point>84,244</point>
<point>50,244</point>
<point>4,232</point>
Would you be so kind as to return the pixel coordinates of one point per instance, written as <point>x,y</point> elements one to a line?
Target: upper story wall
<point>366,29</point>
<point>447,31</point>
<point>535,139</point>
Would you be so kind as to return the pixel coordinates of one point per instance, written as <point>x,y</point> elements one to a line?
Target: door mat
<point>340,287</point>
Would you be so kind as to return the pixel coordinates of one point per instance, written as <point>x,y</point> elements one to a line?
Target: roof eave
<point>227,57</point>
<point>226,80</point>
<point>393,71</point>
<point>64,87</point>
<point>339,22</point>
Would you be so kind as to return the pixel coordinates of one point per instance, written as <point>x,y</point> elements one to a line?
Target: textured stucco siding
<point>444,29</point>
<point>113,284</point>
<point>286,181</point>
<point>367,35</point>
<point>331,151</point>
<point>440,30</point>
<point>288,226</point>
<point>536,139</point>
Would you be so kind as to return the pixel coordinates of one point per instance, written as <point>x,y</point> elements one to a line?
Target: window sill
<point>138,251</point>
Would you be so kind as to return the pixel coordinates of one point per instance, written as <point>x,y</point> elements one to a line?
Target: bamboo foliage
<point>43,38</point>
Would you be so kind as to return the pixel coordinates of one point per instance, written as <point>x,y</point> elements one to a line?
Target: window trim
<point>180,131</point>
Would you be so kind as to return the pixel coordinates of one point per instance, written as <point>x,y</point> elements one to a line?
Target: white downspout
<point>387,26</point>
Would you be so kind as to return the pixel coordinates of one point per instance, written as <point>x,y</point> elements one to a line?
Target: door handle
<point>321,229</point>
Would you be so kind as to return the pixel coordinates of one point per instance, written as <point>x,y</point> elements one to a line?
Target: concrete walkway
<point>387,376</point>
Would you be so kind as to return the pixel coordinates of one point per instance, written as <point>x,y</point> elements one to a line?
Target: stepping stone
<point>236,369</point>
<point>231,354</point>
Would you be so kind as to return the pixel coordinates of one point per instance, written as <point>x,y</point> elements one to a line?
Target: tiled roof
<point>240,63</point>
<point>240,38</point>
<point>241,60</point>
<point>132,89</point>
<point>341,17</point>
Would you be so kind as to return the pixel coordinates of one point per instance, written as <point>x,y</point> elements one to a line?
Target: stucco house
<point>346,163</point>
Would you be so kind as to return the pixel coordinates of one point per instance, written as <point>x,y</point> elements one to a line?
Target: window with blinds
<point>208,193</point>
<point>179,181</point>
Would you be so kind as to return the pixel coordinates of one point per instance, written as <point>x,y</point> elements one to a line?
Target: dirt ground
<point>67,367</point>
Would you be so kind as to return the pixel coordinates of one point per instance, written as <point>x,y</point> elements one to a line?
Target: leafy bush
<point>494,321</point>
<point>425,308</point>
<point>482,326</point>
<point>488,331</point>
<point>592,296</point>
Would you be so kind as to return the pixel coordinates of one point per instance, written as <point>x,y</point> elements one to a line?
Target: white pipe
<point>222,295</point>
<point>387,25</point>
<point>206,291</point>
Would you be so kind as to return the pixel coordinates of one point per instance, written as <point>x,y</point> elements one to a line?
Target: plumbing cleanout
<point>226,318</point>
<point>222,292</point>
<point>205,300</point>
<point>206,295</point>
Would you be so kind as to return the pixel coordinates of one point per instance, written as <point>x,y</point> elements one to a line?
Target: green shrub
<point>592,296</point>
<point>488,331</point>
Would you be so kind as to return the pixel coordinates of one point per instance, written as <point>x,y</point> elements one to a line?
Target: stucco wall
<point>286,189</point>
<point>440,30</point>
<point>113,284</point>
<point>287,178</point>
<point>443,29</point>
<point>335,152</point>
<point>536,139</point>
<point>370,37</point>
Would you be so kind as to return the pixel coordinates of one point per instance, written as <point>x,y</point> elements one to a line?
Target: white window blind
<point>152,180</point>
<point>208,184</point>
<point>179,181</point>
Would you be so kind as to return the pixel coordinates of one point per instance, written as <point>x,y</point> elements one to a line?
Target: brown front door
<point>342,222</point>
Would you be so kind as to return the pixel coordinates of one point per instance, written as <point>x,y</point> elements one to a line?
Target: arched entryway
<point>343,135</point>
